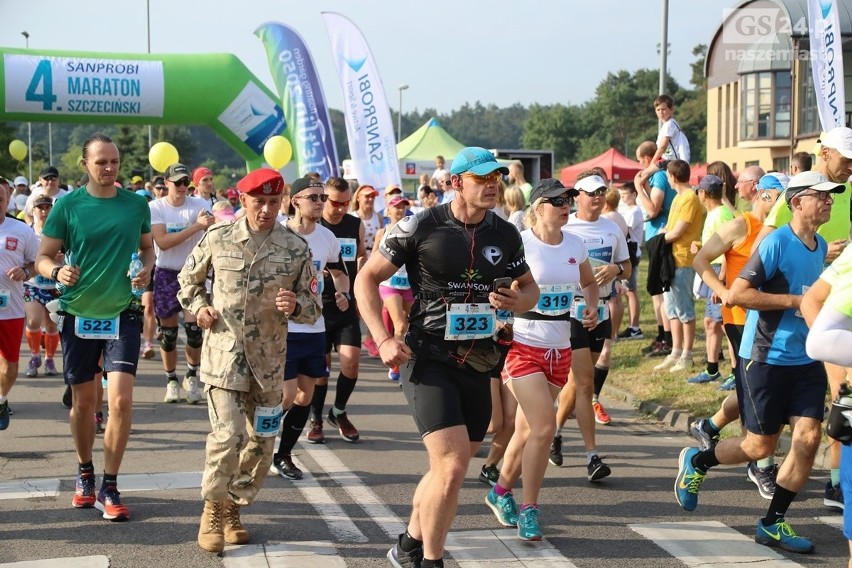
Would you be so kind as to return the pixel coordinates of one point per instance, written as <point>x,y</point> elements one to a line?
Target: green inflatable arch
<point>216,90</point>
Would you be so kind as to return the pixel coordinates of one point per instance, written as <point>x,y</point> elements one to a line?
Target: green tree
<point>556,127</point>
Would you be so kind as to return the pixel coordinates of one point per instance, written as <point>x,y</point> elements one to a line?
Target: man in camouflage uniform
<point>263,275</point>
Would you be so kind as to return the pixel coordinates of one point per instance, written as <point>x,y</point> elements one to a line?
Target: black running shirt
<point>348,233</point>
<point>449,262</point>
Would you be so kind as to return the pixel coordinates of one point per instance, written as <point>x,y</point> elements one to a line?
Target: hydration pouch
<point>838,426</point>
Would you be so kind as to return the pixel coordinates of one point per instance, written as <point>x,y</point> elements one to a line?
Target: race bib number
<point>42,282</point>
<point>320,279</point>
<point>400,282</point>
<point>469,321</point>
<point>5,295</point>
<point>348,249</point>
<point>267,420</point>
<point>554,299</point>
<point>580,305</point>
<point>503,315</point>
<point>89,328</point>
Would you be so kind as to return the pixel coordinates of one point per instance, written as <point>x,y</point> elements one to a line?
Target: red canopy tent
<point>617,166</point>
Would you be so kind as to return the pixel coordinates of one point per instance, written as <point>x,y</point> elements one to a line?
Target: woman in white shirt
<point>539,360</point>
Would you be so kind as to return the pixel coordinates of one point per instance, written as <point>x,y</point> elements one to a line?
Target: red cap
<point>233,193</point>
<point>200,173</point>
<point>396,200</point>
<point>262,181</point>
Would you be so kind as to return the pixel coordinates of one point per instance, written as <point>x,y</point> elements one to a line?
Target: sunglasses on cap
<point>558,201</point>
<point>49,177</point>
<point>314,197</point>
<point>182,182</point>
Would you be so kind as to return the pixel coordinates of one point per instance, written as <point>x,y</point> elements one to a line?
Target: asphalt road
<point>355,496</point>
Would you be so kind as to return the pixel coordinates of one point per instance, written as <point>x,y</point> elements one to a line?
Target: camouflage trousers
<point>237,460</point>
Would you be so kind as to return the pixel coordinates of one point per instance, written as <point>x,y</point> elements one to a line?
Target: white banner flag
<point>369,126</point>
<point>827,62</point>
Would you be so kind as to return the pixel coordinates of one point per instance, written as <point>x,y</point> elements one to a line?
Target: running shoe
<point>192,386</point>
<point>49,367</point>
<point>84,492</point>
<point>704,377</point>
<point>781,535</point>
<point>4,415</point>
<point>347,430</point>
<point>631,333</point>
<point>504,507</point>
<point>648,349</point>
<point>669,361</point>
<point>402,559</point>
<point>109,503</point>
<point>371,347</point>
<point>682,364</point>
<point>285,467</point>
<point>601,417</point>
<point>833,496</point>
<point>489,474</point>
<point>597,469</point>
<point>33,365</point>
<point>764,478</point>
<point>688,480</point>
<point>67,397</point>
<point>528,528</point>
<point>315,435</point>
<point>172,391</point>
<point>556,450</point>
<point>99,423</point>
<point>729,384</point>
<point>393,373</point>
<point>705,440</point>
<point>662,349</point>
<point>147,350</point>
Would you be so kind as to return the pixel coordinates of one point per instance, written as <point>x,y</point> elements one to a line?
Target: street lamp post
<point>399,116</point>
<point>664,46</point>
<point>29,124</point>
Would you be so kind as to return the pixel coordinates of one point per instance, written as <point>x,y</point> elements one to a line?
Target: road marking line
<point>29,489</point>
<point>835,521</point>
<point>160,481</point>
<point>380,513</point>
<point>474,549</point>
<point>283,555</point>
<point>71,562</point>
<point>699,543</point>
<point>339,523</point>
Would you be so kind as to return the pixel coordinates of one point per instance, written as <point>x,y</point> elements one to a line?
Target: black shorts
<point>582,338</point>
<point>772,394</point>
<point>305,356</point>
<point>445,397</point>
<point>348,333</point>
<point>81,356</point>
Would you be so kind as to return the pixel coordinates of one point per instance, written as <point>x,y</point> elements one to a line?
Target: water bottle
<point>134,270</point>
<point>69,261</point>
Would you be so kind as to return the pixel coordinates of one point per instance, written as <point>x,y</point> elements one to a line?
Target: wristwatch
<point>27,272</point>
<point>620,268</point>
<point>54,274</point>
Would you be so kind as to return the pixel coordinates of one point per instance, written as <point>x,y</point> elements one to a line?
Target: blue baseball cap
<point>145,193</point>
<point>769,181</point>
<point>477,161</point>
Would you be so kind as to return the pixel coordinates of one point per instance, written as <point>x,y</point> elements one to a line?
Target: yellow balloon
<point>162,155</point>
<point>277,152</point>
<point>18,150</point>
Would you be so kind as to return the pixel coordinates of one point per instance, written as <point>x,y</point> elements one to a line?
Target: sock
<point>110,479</point>
<point>676,353</point>
<point>291,428</point>
<point>686,354</point>
<point>766,462</point>
<point>171,376</point>
<point>667,337</point>
<point>705,460</point>
<point>318,402</point>
<point>781,501</point>
<point>600,379</point>
<point>2,399</point>
<point>835,477</point>
<point>529,505</point>
<point>427,563</point>
<point>559,430</point>
<point>500,490</point>
<point>661,333</point>
<point>87,467</point>
<point>590,455</point>
<point>191,370</point>
<point>709,427</point>
<point>34,341</point>
<point>51,342</point>
<point>345,386</point>
<point>712,368</point>
<point>408,543</point>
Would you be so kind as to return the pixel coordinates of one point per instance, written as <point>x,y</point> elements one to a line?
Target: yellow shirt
<point>686,207</point>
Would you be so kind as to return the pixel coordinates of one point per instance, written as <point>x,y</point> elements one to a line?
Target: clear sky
<point>448,51</point>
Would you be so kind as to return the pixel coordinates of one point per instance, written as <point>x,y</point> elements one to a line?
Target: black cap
<point>48,171</point>
<point>304,183</point>
<point>550,188</point>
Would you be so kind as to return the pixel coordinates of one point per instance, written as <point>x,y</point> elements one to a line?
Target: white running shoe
<point>667,362</point>
<point>172,392</point>
<point>192,386</point>
<point>682,365</point>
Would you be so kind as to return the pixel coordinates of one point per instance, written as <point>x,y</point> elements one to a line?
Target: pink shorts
<point>407,295</point>
<point>523,361</point>
<point>11,332</point>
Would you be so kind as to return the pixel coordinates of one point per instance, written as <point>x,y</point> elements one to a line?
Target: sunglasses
<point>820,195</point>
<point>161,188</point>
<point>596,193</point>
<point>181,182</point>
<point>315,197</point>
<point>338,203</point>
<point>49,177</point>
<point>558,201</point>
<point>43,207</point>
<point>493,177</point>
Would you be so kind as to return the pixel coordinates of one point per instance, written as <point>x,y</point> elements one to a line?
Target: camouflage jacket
<point>249,340</point>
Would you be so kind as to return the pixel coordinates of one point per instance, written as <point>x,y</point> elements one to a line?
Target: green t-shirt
<point>102,234</point>
<point>838,225</point>
<point>714,220</point>
<point>839,275</point>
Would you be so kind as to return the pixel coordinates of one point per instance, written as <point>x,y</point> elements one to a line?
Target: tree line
<point>620,115</point>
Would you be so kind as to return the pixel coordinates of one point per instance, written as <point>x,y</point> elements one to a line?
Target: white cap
<point>21,180</point>
<point>840,139</point>
<point>590,184</point>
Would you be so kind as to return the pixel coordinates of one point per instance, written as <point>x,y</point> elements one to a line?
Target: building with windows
<point>761,103</point>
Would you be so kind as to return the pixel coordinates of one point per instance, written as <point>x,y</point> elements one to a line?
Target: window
<point>766,103</point>
<point>808,113</point>
<point>781,164</point>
